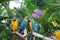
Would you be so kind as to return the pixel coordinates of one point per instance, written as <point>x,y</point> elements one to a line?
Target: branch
<point>21,36</point>
<point>18,34</point>
<point>35,34</point>
<point>42,36</point>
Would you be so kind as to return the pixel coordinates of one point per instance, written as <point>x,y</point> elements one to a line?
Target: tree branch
<point>33,33</point>
<point>21,36</point>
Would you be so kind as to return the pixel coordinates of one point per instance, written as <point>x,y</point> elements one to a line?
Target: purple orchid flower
<point>37,11</point>
<point>35,15</point>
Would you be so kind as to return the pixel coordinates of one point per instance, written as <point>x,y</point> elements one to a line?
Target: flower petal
<point>37,11</point>
<point>35,15</point>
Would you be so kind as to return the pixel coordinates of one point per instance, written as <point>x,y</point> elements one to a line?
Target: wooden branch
<point>25,33</point>
<point>42,36</point>
<point>21,36</point>
<point>18,34</point>
<point>33,33</point>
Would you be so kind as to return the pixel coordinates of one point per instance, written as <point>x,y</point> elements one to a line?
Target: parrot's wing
<point>24,24</point>
<point>35,27</point>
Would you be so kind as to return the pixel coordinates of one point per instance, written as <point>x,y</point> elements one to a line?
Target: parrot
<point>33,28</point>
<point>14,24</point>
<point>57,34</point>
<point>23,25</point>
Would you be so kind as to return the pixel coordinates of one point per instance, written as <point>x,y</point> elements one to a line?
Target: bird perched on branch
<point>23,25</point>
<point>33,28</point>
<point>14,24</point>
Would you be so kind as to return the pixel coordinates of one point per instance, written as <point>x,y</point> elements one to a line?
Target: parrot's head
<point>26,19</point>
<point>14,19</point>
<point>29,19</point>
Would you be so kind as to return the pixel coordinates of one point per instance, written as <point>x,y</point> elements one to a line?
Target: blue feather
<point>24,24</point>
<point>35,27</point>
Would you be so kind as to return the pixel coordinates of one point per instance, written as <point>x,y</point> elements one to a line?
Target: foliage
<point>3,1</point>
<point>51,12</point>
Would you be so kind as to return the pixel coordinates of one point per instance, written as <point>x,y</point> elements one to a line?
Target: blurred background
<point>49,18</point>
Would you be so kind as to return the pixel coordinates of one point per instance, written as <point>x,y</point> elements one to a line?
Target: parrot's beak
<point>14,20</point>
<point>29,20</point>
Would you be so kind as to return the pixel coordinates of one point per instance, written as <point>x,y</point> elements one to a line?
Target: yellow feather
<point>14,25</point>
<point>31,26</point>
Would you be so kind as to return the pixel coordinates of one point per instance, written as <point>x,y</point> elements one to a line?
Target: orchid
<point>35,15</point>
<point>37,11</point>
